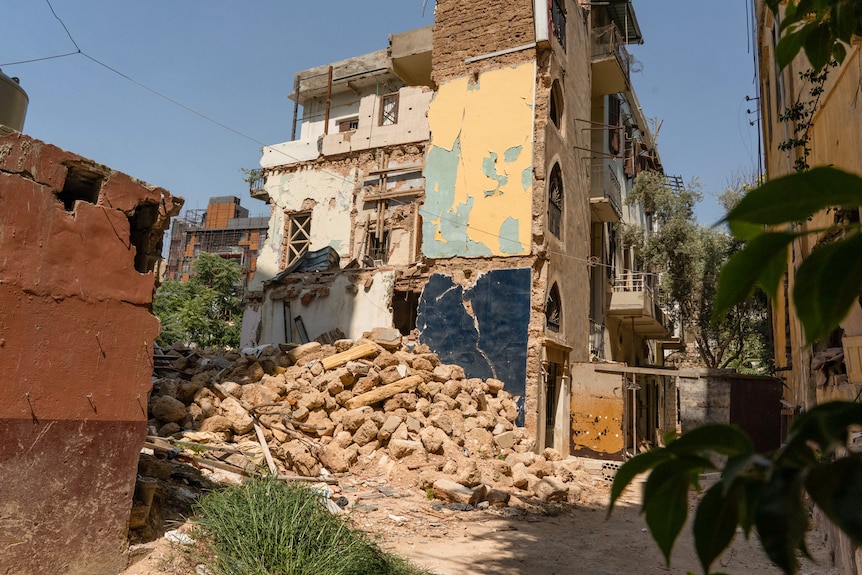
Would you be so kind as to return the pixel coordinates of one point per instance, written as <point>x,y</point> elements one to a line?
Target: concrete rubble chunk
<point>168,409</point>
<point>449,490</point>
<point>433,439</point>
<point>240,419</point>
<point>297,354</point>
<point>505,440</point>
<point>386,337</point>
<point>551,489</point>
<point>366,433</point>
<point>498,497</point>
<point>401,448</point>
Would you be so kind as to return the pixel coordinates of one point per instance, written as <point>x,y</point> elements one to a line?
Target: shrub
<point>266,527</point>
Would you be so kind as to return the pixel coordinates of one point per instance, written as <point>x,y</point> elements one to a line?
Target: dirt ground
<point>528,537</point>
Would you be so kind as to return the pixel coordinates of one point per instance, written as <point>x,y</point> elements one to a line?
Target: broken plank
<point>351,354</point>
<point>385,392</point>
<point>263,445</point>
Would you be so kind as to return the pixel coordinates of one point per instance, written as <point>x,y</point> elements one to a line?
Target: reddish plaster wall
<point>76,356</point>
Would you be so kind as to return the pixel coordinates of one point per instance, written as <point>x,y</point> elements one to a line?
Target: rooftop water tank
<point>13,104</point>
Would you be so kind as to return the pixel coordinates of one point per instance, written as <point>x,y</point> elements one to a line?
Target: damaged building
<point>80,244</point>
<point>466,185</point>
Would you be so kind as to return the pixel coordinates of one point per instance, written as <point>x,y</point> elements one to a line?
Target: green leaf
<point>633,467</point>
<point>748,502</point>
<point>762,261</point>
<point>743,465</point>
<point>790,44</point>
<point>839,52</point>
<point>843,20</point>
<point>797,196</point>
<point>717,437</point>
<point>745,230</point>
<point>818,45</point>
<point>828,283</point>
<point>666,500</point>
<point>824,424</point>
<point>715,524</point>
<point>782,519</point>
<point>837,489</point>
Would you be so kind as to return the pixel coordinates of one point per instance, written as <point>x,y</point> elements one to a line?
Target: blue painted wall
<point>490,343</point>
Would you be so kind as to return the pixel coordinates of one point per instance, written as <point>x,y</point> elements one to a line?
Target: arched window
<point>555,201</point>
<point>553,309</point>
<point>557,105</point>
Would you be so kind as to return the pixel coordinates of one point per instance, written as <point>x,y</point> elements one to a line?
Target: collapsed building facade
<point>80,244</point>
<point>467,185</point>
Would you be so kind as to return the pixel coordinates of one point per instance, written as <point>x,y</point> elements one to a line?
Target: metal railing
<point>597,339</point>
<point>646,283</point>
<point>605,184</point>
<point>607,41</point>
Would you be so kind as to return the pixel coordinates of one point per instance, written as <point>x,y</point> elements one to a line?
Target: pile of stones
<point>319,410</point>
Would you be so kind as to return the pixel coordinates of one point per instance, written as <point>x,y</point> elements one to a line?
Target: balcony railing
<point>607,41</point>
<point>634,296</point>
<point>604,184</point>
<point>597,339</point>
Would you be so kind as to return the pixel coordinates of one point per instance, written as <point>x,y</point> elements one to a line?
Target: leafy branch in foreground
<point>829,281</point>
<point>755,491</point>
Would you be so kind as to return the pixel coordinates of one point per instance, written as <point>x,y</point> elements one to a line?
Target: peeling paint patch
<point>490,342</point>
<point>474,161</point>
<point>510,229</point>
<point>527,177</point>
<point>512,153</point>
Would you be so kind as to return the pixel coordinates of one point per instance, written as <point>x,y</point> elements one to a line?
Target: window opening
<point>405,306</point>
<point>553,376</point>
<point>377,246</point>
<point>298,236</point>
<point>555,201</point>
<point>389,109</point>
<point>350,125</point>
<point>558,21</point>
<point>614,123</point>
<point>553,310</point>
<point>80,184</point>
<point>557,105</point>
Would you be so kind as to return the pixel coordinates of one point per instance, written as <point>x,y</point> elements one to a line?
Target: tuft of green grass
<point>266,527</point>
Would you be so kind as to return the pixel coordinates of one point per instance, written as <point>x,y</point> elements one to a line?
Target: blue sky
<point>234,62</point>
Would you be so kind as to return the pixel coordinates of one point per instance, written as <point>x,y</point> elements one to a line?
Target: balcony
<point>605,193</point>
<point>610,61</point>
<point>634,301</point>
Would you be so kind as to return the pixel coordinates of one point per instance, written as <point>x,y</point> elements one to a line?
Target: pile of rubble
<point>317,411</point>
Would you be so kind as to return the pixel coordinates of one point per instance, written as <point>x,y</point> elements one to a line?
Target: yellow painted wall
<point>479,170</point>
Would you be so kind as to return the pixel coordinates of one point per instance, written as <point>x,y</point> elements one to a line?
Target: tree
<point>205,310</point>
<point>687,257</point>
<point>766,491</point>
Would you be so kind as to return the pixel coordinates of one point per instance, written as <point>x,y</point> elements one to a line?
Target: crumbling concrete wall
<point>354,302</point>
<point>482,327</point>
<point>340,193</point>
<point>78,243</point>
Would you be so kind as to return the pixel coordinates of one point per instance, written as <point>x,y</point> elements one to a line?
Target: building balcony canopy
<point>610,62</point>
<point>633,301</point>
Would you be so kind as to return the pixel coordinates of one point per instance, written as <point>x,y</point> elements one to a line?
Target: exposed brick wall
<point>77,243</point>
<point>466,29</point>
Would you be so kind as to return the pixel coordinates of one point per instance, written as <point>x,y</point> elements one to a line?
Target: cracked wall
<point>481,327</point>
<point>78,243</point>
<point>479,166</point>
